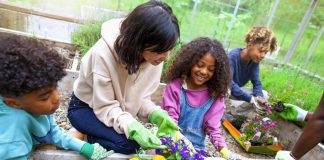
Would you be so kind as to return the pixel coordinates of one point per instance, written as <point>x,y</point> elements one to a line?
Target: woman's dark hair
<point>191,53</point>
<point>150,25</point>
<point>27,65</point>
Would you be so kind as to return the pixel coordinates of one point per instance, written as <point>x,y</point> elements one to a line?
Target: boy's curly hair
<point>27,65</point>
<point>262,36</point>
<point>191,53</point>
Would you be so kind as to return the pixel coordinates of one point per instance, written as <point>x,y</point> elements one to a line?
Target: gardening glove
<point>262,101</point>
<point>180,136</point>
<point>293,113</point>
<point>256,101</point>
<point>94,151</point>
<point>166,126</point>
<point>284,155</point>
<point>225,153</point>
<point>143,136</point>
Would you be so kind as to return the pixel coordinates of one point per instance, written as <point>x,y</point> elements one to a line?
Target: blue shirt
<point>242,73</point>
<point>20,131</point>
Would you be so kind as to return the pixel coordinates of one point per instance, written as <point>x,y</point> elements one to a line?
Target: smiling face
<point>39,102</point>
<point>155,58</point>
<point>256,52</point>
<point>201,72</point>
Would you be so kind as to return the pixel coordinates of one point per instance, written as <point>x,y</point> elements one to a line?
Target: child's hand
<point>95,151</point>
<point>225,153</point>
<point>191,148</point>
<point>257,103</point>
<point>262,101</point>
<point>284,155</point>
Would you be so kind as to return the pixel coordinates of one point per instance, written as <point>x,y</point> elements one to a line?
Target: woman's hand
<point>143,136</point>
<point>166,125</point>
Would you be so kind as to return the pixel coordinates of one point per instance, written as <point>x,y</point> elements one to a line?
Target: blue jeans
<point>85,121</point>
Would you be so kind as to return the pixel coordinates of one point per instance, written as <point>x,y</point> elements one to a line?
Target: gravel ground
<point>62,121</point>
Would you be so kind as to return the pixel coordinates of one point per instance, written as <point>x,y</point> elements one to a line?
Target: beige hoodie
<point>115,96</point>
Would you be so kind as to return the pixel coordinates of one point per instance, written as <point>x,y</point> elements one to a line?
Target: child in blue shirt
<point>29,73</point>
<point>244,63</point>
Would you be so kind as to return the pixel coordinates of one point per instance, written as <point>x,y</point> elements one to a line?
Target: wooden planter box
<point>267,150</point>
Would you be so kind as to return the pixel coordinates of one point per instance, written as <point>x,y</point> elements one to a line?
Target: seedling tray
<point>266,149</point>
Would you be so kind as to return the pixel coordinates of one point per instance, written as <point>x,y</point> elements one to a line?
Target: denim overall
<point>191,120</point>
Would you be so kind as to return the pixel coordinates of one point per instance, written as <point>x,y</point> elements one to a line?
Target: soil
<point>233,146</point>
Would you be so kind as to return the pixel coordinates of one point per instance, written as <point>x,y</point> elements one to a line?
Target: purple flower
<point>183,142</point>
<point>185,153</point>
<point>174,146</point>
<point>158,151</point>
<point>272,125</point>
<point>196,157</point>
<point>201,152</point>
<point>166,140</point>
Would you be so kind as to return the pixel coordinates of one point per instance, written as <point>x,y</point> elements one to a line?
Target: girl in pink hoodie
<point>198,80</point>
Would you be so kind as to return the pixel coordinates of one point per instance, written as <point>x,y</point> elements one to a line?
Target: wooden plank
<point>71,155</point>
<point>22,9</point>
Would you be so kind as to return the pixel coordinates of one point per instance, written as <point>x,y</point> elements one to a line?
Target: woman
<point>118,76</point>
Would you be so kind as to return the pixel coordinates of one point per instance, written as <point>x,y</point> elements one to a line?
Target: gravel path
<point>62,121</point>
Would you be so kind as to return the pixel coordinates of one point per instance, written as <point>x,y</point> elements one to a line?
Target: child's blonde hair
<point>262,36</point>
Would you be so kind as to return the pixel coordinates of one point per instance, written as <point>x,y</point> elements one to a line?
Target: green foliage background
<point>212,19</point>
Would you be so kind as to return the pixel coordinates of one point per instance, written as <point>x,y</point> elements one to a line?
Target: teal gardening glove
<point>143,136</point>
<point>166,126</point>
<point>94,151</point>
<point>293,113</point>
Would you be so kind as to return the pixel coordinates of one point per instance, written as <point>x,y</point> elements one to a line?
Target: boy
<point>29,73</point>
<point>244,64</point>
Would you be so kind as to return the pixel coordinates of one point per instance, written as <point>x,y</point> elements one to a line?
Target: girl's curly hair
<point>263,36</point>
<point>27,65</point>
<point>191,53</point>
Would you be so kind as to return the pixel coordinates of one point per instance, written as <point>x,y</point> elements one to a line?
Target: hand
<point>95,151</point>
<point>256,101</point>
<point>284,155</point>
<point>293,113</point>
<point>143,136</point>
<point>180,136</point>
<point>262,101</point>
<point>225,153</point>
<point>166,126</point>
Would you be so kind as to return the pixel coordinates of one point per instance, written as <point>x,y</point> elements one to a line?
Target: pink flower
<point>245,124</point>
<point>247,144</point>
<point>275,141</point>
<point>257,136</point>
